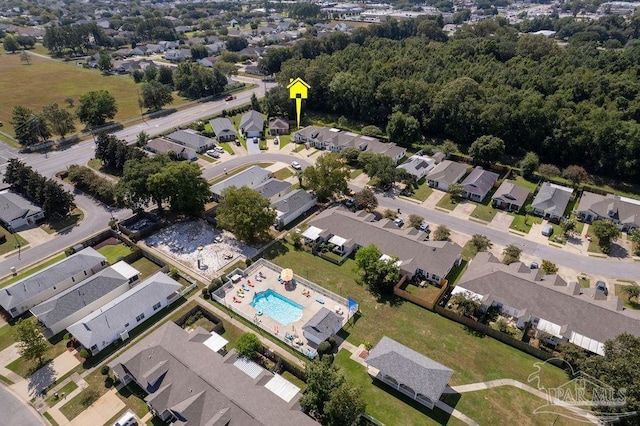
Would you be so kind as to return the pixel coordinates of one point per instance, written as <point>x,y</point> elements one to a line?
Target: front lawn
<point>227,147</point>
<point>65,390</point>
<point>114,252</point>
<point>206,158</point>
<point>584,282</point>
<point>486,213</point>
<point>386,404</point>
<point>88,396</point>
<point>447,203</point>
<point>619,291</point>
<point>55,225</point>
<point>355,173</point>
<point>284,140</point>
<point>523,222</point>
<point>423,191</point>
<point>473,358</point>
<point>283,173</point>
<point>133,396</point>
<point>594,245</point>
<point>299,148</point>
<point>11,241</point>
<point>23,367</point>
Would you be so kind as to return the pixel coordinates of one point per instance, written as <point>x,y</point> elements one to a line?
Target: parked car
<point>238,142</point>
<point>296,165</point>
<point>424,226</point>
<point>547,230</point>
<point>229,98</point>
<point>276,141</point>
<point>127,419</point>
<point>602,286</point>
<point>399,222</point>
<point>213,153</point>
<point>219,149</point>
<point>256,140</point>
<point>534,265</point>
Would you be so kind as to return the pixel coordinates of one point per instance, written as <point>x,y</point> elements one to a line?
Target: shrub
<point>84,353</point>
<point>108,382</point>
<point>67,336</point>
<point>248,345</point>
<point>173,272</point>
<point>248,262</point>
<point>327,358</point>
<point>205,293</point>
<point>104,370</point>
<point>333,343</point>
<point>68,252</point>
<point>324,348</point>
<point>212,287</point>
<point>3,238</point>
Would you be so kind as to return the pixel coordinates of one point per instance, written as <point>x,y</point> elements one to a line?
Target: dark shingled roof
<point>323,324</point>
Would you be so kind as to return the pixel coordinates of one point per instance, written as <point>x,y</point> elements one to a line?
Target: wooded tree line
<point>114,152</point>
<point>90,182</point>
<point>576,104</point>
<point>76,39</point>
<point>47,193</point>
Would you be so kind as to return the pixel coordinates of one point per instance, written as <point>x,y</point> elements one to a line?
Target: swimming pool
<point>276,306</point>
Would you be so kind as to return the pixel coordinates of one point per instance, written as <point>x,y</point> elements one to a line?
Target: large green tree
<point>366,199</point>
<point>379,167</point>
<point>30,128</point>
<point>345,405</point>
<point>31,343</point>
<point>403,129</point>
<point>379,275</point>
<point>245,213</point>
<point>487,149</point>
<point>322,379</point>
<point>194,81</point>
<point>155,95</point>
<point>606,231</point>
<point>10,44</point>
<point>60,120</point>
<point>96,107</point>
<point>248,345</point>
<point>328,176</point>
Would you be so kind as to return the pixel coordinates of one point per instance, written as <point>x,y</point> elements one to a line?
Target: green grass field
<point>11,241</point>
<point>53,226</point>
<point>114,252</point>
<point>447,203</point>
<point>283,173</point>
<point>46,81</point>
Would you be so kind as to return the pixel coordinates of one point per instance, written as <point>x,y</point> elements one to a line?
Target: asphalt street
<point>16,412</point>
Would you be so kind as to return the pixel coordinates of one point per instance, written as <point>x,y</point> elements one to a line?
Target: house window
<point>157,306</point>
<point>140,317</point>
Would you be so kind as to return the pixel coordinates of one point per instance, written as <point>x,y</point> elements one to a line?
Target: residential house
<point>186,382</point>
<point>551,201</point>
<point>278,126</point>
<point>407,371</point>
<point>252,124</point>
<point>63,309</point>
<point>223,129</point>
<point>625,212</point>
<point>292,206</point>
<point>115,319</point>
<point>418,166</point>
<point>347,231</point>
<point>215,48</point>
<point>335,140</point>
<point>510,196</point>
<point>251,177</point>
<point>321,326</point>
<point>208,61</point>
<point>478,184</point>
<point>17,212</point>
<point>560,312</point>
<point>23,295</point>
<point>162,145</point>
<point>191,139</point>
<point>445,174</point>
<point>175,55</point>
<point>273,189</point>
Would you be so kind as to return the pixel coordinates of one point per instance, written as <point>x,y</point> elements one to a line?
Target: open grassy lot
<point>283,173</point>
<point>114,252</point>
<point>52,226</point>
<point>508,406</point>
<point>46,81</point>
<point>56,258</point>
<point>11,241</point>
<point>447,203</point>
<point>384,403</point>
<point>97,165</point>
<point>473,358</point>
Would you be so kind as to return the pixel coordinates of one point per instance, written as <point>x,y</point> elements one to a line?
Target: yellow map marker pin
<point>298,90</point>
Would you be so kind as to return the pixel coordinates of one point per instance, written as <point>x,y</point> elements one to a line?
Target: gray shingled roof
<point>102,324</point>
<point>191,139</point>
<point>164,145</point>
<point>511,193</point>
<point>222,127</point>
<point>252,121</point>
<point>251,177</point>
<point>549,298</point>
<point>291,202</point>
<point>50,276</point>
<point>79,296</point>
<point>323,324</point>
<point>14,206</point>
<point>408,367</point>
<point>448,171</point>
<point>436,257</point>
<point>272,187</point>
<point>203,387</point>
<point>480,181</point>
<point>625,210</point>
<point>552,199</point>
<point>278,123</point>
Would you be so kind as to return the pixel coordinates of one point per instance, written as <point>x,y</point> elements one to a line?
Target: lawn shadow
<point>474,332</point>
<point>276,249</point>
<point>41,378</point>
<point>390,299</point>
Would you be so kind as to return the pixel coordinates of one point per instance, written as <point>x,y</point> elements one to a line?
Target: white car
<point>399,222</point>
<point>213,153</point>
<point>424,226</point>
<point>219,149</point>
<point>296,165</point>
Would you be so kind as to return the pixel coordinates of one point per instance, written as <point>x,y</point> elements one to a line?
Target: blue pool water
<point>276,306</point>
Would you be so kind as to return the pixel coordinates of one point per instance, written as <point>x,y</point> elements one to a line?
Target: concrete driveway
<point>464,209</point>
<point>253,148</point>
<point>501,220</point>
<point>101,411</point>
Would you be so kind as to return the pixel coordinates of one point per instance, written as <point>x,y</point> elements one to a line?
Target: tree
<point>634,237</point>
<point>415,221</point>
<point>255,104</point>
<point>114,152</point>
<point>568,226</point>
<point>379,167</point>
<point>236,44</point>
<point>548,171</point>
<point>155,95</point>
<point>632,291</point>
<point>142,138</point>
<point>60,120</point>
<point>548,267</point>
<point>183,187</point>
<point>366,199</point>
<point>30,128</point>
<point>245,213</point>
<point>165,76</point>
<point>350,155</point>
<point>194,81</point>
<point>96,107</point>
<point>480,242</point>
<point>344,406</point>
<point>323,379</point>
<point>403,129</point>
<point>606,232</point>
<point>575,174</point>
<point>25,57</point>
<point>487,149</point>
<point>10,44</point>
<point>529,164</point>
<point>371,130</point>
<point>441,233</point>
<point>248,346</point>
<point>455,191</point>
<point>572,353</point>
<point>511,254</point>
<point>379,275</point>
<point>617,369</point>
<point>31,343</point>
<point>328,177</point>
<point>466,304</point>
<point>150,73</point>
<point>104,63</point>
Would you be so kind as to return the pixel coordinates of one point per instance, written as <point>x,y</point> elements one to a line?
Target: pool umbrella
<point>286,274</point>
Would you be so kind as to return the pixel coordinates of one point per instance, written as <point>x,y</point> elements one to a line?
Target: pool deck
<point>309,303</point>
